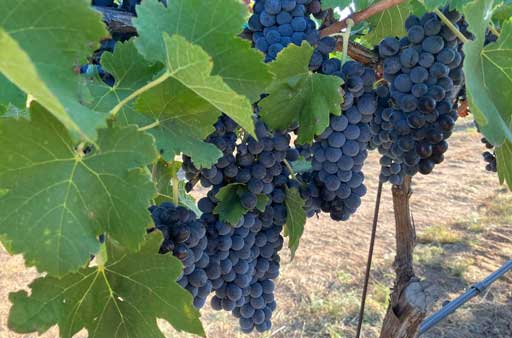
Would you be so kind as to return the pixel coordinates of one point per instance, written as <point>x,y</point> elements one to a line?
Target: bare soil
<point>318,292</point>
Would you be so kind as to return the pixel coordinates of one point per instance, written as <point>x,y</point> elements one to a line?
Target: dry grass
<point>439,234</point>
<point>318,293</point>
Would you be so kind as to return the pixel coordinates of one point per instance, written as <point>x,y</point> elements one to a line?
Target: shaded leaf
<point>295,218</point>
<point>10,95</point>
<point>326,4</point>
<point>504,161</point>
<point>164,173</point>
<point>388,23</point>
<point>229,207</point>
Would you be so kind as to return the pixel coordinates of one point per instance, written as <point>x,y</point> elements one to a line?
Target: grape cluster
<point>185,237</point>
<point>335,184</point>
<point>277,23</point>
<point>243,259</point>
<point>418,115</point>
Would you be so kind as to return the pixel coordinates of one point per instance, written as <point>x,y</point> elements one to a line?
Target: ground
<point>464,223</point>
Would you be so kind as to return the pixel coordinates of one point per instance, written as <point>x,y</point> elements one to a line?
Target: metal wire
<point>369,261</point>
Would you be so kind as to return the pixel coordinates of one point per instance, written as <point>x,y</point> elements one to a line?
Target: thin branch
<point>360,16</point>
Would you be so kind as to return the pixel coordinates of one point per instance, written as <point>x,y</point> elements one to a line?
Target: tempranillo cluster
<point>417,114</point>
<point>243,258</point>
<point>335,184</point>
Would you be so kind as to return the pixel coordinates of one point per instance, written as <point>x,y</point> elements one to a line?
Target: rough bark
<point>116,20</point>
<point>408,305</point>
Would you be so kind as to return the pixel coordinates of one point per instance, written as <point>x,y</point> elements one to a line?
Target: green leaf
<point>131,72</point>
<point>488,73</point>
<point>10,95</point>
<point>433,4</point>
<point>181,119</point>
<point>295,218</point>
<point>504,160</point>
<point>42,42</point>
<point>185,120</point>
<point>229,207</point>
<point>164,172</point>
<point>502,13</point>
<point>388,23</point>
<point>191,67</point>
<point>262,202</point>
<point>61,199</point>
<point>326,4</point>
<point>301,166</point>
<point>299,96</point>
<point>123,299</point>
<point>15,112</point>
<point>213,25</point>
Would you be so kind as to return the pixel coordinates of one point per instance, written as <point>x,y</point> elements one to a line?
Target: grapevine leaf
<point>262,202</point>
<point>16,113</point>
<point>362,4</point>
<point>10,95</point>
<point>60,199</point>
<point>416,7</point>
<point>184,118</point>
<point>130,71</point>
<point>122,299</point>
<point>191,67</point>
<point>213,25</point>
<point>388,23</point>
<point>504,161</point>
<point>187,200</point>
<point>42,42</point>
<point>301,166</point>
<point>229,207</point>
<point>299,96</point>
<point>295,218</point>
<point>455,4</point>
<point>433,4</point>
<point>164,173</point>
<point>502,13</point>
<point>326,4</point>
<point>488,72</point>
